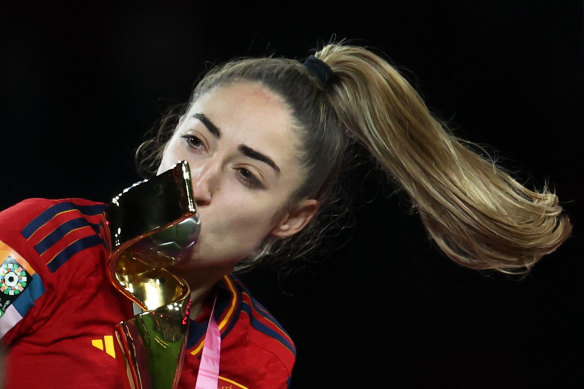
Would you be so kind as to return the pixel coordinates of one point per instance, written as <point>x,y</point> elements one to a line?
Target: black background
<point>81,83</point>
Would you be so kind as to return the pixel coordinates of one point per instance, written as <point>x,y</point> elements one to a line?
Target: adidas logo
<point>108,342</point>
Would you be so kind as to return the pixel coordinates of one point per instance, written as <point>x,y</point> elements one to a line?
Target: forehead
<point>251,114</point>
<point>252,97</point>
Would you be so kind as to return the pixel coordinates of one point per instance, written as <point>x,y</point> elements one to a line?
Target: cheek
<point>254,217</point>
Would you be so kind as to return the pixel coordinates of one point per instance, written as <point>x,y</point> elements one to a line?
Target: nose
<point>205,177</point>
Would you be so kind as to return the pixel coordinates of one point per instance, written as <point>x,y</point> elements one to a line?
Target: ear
<point>296,218</point>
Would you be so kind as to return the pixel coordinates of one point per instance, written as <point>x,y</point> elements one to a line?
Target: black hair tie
<point>319,69</point>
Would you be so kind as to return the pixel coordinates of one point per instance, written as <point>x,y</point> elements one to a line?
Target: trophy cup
<point>152,225</point>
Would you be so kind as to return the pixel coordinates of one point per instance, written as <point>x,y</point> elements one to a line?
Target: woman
<point>267,141</point>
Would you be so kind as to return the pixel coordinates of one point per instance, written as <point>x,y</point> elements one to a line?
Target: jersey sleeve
<point>40,240</point>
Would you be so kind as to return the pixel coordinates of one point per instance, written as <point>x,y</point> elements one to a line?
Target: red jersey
<point>58,309</point>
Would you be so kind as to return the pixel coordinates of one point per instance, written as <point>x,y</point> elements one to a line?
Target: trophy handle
<point>153,225</point>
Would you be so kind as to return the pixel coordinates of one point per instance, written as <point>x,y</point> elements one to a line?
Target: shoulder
<point>259,317</point>
<point>51,231</point>
<point>242,313</point>
<point>31,216</point>
<point>37,205</point>
<point>38,239</point>
<point>256,351</point>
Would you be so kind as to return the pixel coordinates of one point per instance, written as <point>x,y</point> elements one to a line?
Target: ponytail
<point>475,212</point>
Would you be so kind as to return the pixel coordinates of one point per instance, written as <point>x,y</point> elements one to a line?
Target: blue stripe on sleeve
<point>61,231</point>
<point>72,249</point>
<point>47,215</point>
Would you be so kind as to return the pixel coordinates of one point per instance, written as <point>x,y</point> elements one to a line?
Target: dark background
<point>81,83</point>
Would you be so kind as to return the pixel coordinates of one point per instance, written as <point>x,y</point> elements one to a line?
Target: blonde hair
<point>476,213</point>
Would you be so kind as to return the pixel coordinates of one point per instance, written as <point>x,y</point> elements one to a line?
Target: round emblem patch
<point>13,279</point>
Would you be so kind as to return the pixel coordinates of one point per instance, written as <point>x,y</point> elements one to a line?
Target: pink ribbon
<point>208,376</point>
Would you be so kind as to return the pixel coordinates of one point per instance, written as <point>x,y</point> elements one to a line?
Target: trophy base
<point>153,346</point>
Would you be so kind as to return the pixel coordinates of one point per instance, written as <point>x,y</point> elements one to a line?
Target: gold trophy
<point>152,225</point>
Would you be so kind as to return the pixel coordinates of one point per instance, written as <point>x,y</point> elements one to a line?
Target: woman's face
<point>239,142</point>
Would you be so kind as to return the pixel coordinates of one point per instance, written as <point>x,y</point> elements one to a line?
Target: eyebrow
<point>245,150</point>
<point>213,129</point>
<point>249,152</point>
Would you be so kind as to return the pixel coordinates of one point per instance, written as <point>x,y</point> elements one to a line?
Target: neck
<point>198,299</point>
<point>201,283</point>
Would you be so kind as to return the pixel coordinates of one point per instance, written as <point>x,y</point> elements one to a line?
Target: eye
<point>249,178</point>
<point>194,141</point>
